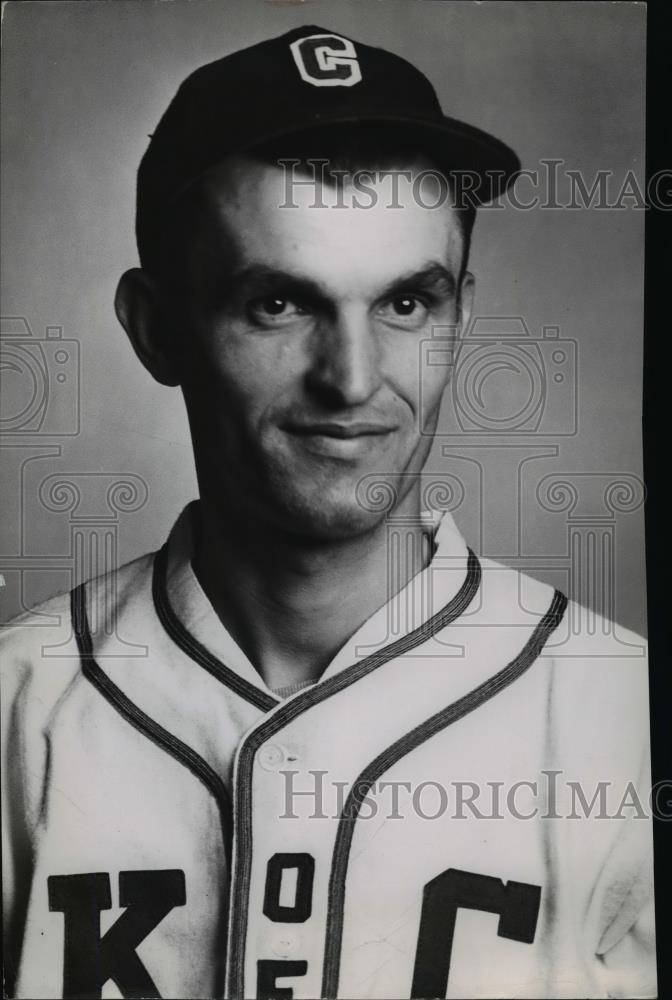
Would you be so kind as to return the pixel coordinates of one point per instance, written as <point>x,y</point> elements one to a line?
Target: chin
<point>323,502</point>
<point>328,518</point>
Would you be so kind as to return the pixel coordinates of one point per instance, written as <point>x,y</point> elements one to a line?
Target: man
<point>209,817</point>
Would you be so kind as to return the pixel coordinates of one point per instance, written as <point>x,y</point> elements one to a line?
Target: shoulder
<point>598,670</point>
<point>39,654</point>
<point>580,633</point>
<point>37,649</point>
<point>41,674</point>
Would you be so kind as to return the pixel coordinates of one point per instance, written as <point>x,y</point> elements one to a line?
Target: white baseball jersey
<point>455,809</point>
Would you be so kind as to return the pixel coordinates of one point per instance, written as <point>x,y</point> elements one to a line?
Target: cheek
<point>419,376</point>
<point>433,387</point>
<point>245,375</point>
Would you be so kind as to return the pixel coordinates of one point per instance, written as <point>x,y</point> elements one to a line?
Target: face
<point>302,329</point>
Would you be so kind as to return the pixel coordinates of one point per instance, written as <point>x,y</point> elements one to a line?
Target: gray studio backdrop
<point>540,452</point>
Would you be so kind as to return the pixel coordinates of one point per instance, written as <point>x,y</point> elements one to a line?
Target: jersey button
<point>285,944</point>
<point>271,757</point>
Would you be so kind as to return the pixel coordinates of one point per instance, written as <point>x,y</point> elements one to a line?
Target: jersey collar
<point>407,609</point>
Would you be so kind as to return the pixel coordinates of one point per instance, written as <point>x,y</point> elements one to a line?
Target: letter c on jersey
<point>326,61</point>
<point>516,904</point>
<point>90,960</point>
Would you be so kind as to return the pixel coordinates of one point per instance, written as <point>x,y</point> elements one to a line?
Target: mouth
<point>340,440</point>
<point>340,431</point>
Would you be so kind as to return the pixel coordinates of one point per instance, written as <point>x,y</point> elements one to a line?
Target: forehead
<point>335,234</point>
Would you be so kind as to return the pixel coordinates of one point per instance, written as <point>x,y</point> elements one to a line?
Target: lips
<point>341,431</point>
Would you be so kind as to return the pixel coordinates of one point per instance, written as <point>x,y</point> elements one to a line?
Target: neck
<point>289,603</point>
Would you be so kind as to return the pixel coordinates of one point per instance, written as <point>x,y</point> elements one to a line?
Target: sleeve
<point>629,962</point>
<point>600,744</point>
<point>627,947</point>
<point>30,689</point>
<point>19,811</point>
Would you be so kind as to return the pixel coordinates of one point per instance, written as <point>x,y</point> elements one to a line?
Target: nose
<point>346,365</point>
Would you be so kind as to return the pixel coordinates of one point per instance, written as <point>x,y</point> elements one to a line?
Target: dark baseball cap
<point>308,78</point>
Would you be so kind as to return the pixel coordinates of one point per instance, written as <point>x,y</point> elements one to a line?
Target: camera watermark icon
<point>505,381</point>
<point>40,379</point>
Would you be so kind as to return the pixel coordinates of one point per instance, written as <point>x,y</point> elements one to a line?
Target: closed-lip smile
<point>339,430</point>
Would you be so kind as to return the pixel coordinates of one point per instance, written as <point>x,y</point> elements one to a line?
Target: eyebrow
<point>432,276</point>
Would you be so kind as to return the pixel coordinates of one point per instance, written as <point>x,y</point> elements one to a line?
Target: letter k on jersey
<point>326,61</point>
<point>91,959</point>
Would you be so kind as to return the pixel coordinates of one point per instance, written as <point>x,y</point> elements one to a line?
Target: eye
<point>404,305</point>
<point>406,311</point>
<point>274,310</point>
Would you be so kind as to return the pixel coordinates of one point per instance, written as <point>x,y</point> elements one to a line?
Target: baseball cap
<point>305,79</point>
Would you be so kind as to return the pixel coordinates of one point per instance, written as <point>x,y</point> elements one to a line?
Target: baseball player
<point>315,746</point>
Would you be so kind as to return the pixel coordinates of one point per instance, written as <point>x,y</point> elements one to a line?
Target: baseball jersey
<point>456,808</point>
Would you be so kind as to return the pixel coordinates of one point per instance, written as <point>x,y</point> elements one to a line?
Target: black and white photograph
<point>323,577</point>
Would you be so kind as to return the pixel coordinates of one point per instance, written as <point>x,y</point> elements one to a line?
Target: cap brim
<point>484,165</point>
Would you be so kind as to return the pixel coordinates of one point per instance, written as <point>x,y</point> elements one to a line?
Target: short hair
<point>347,149</point>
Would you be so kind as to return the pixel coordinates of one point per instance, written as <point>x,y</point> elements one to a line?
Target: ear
<point>138,307</point>
<point>467,289</point>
